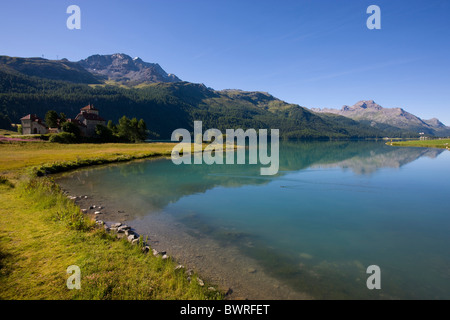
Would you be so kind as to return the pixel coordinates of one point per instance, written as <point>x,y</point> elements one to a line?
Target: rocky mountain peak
<point>122,68</point>
<point>365,104</point>
<point>435,123</point>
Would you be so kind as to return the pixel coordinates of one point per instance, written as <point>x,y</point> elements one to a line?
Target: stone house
<point>32,124</point>
<point>86,120</point>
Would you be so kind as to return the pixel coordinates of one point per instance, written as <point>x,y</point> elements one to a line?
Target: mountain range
<point>371,113</point>
<point>120,85</point>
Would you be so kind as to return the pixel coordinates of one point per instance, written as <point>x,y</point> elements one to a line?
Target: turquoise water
<point>334,209</point>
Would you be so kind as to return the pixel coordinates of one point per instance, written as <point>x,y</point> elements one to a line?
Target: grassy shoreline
<point>438,143</point>
<point>42,233</point>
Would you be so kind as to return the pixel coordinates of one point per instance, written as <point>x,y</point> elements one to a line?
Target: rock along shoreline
<point>122,231</point>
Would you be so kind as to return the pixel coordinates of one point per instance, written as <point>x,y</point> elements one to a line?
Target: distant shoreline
<point>437,143</point>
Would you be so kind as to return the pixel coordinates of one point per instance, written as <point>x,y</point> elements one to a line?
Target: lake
<point>310,231</point>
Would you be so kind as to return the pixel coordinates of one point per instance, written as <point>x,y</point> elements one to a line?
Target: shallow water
<point>311,231</point>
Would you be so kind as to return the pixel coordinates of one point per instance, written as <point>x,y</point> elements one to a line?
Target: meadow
<point>42,232</point>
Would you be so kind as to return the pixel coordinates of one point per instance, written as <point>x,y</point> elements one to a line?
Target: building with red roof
<point>32,124</point>
<point>87,120</point>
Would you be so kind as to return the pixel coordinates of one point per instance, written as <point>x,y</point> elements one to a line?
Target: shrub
<point>63,137</point>
<point>6,182</point>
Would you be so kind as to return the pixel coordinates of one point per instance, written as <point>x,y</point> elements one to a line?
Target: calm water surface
<point>334,209</point>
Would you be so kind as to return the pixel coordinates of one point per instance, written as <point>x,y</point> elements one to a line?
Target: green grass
<point>18,158</point>
<point>4,132</point>
<point>42,232</point>
<point>443,143</point>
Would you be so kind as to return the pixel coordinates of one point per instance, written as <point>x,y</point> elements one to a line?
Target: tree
<point>142,130</point>
<point>62,118</point>
<point>51,119</point>
<point>131,130</point>
<point>104,133</point>
<point>5,122</point>
<point>124,128</point>
<point>134,133</point>
<point>111,126</point>
<point>71,127</point>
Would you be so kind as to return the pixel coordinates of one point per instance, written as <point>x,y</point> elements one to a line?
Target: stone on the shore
<point>165,257</point>
<point>84,210</point>
<point>100,222</point>
<point>145,249</point>
<point>135,241</point>
<point>116,225</point>
<point>179,267</point>
<point>97,212</point>
<point>155,252</point>
<point>200,282</point>
<point>131,237</point>
<point>123,228</point>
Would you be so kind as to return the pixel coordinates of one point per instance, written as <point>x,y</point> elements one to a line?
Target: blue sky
<point>315,53</point>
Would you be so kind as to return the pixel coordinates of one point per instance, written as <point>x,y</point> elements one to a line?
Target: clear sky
<point>315,53</point>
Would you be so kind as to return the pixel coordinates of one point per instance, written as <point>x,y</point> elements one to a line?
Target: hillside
<point>48,69</point>
<point>168,106</point>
